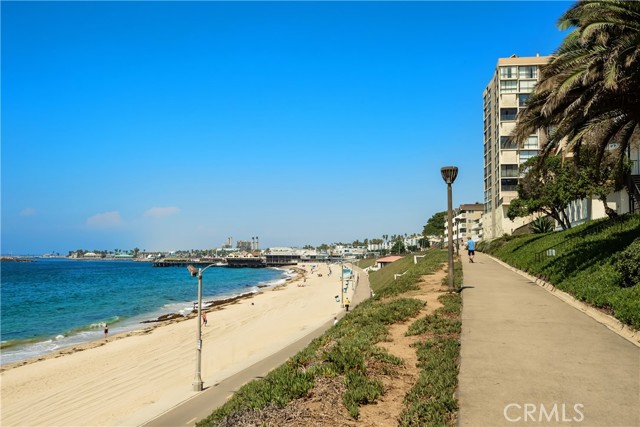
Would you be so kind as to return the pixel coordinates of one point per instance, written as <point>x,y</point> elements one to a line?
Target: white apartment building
<point>506,93</point>
<point>466,222</point>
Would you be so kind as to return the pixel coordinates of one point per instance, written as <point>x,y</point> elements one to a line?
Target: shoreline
<point>131,381</point>
<point>147,326</point>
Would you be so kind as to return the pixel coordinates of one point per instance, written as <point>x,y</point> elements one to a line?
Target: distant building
<point>383,262</point>
<point>348,251</point>
<point>466,223</point>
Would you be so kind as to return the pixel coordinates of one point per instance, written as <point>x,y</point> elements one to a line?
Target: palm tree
<point>588,92</point>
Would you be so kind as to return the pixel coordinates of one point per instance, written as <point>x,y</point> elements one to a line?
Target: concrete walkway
<point>530,359</point>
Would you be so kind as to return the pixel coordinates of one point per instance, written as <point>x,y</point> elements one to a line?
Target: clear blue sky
<point>168,125</point>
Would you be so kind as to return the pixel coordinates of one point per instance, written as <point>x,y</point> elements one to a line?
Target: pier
<point>183,262</point>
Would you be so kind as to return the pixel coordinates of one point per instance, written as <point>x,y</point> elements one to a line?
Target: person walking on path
<point>471,248</point>
<point>346,304</point>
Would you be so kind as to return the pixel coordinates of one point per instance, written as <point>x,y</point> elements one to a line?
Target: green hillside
<point>597,262</point>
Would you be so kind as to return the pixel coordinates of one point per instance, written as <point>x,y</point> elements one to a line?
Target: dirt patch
<point>389,407</point>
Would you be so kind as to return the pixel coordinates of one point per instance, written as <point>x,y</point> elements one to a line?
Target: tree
<point>587,95</point>
<point>548,186</point>
<point>435,225</point>
<point>398,247</point>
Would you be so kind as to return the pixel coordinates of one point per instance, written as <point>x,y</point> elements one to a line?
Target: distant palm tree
<point>588,92</point>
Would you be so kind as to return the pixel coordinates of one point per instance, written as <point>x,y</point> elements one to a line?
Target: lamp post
<point>197,380</point>
<point>449,174</point>
<point>342,283</point>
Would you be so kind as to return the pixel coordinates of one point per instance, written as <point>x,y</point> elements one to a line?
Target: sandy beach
<point>134,377</point>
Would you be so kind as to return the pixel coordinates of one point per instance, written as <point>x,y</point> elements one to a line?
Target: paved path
<point>200,406</point>
<point>530,359</point>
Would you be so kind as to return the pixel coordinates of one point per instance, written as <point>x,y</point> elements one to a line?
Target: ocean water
<point>53,303</point>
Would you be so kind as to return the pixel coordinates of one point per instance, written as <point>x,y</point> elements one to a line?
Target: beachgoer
<point>471,248</point>
<point>106,331</point>
<point>204,318</point>
<point>346,304</point>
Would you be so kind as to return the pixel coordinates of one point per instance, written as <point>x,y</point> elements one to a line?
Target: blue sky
<point>167,125</point>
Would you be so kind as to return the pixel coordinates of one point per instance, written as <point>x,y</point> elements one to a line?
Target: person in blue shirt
<point>471,248</point>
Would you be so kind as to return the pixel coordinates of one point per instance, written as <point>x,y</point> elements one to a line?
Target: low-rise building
<point>467,222</point>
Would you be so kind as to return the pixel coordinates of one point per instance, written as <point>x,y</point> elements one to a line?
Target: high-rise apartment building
<point>504,96</point>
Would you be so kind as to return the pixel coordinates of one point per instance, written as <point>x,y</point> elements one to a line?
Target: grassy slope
<point>347,349</point>
<point>583,264</point>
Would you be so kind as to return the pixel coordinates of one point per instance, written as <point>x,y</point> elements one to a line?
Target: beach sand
<point>134,377</point>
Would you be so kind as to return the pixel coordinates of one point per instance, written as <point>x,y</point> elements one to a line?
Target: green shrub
<point>360,390</point>
<point>541,225</point>
<point>628,264</point>
<point>431,401</point>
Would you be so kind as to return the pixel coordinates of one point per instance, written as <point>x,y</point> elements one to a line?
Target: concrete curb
<point>609,321</point>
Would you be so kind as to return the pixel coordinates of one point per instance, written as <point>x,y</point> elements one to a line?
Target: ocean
<point>49,304</point>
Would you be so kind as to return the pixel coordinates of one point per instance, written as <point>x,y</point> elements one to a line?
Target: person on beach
<point>106,331</point>
<point>471,248</point>
<point>346,304</point>
<point>204,318</point>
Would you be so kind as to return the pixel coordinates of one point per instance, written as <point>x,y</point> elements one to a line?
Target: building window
<point>506,143</point>
<point>508,86</point>
<point>529,72</point>
<point>531,143</point>
<point>508,184</point>
<point>509,171</point>
<point>508,72</point>
<point>508,114</point>
<point>527,154</point>
<point>527,85</point>
<point>522,99</point>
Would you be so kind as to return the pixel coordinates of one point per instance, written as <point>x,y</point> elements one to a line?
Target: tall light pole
<point>342,283</point>
<point>197,380</point>
<point>449,174</point>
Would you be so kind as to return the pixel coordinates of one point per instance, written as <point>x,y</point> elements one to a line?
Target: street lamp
<point>342,283</point>
<point>449,174</point>
<point>197,380</point>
